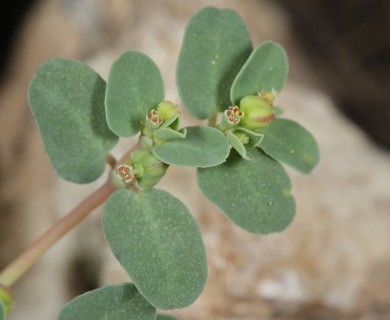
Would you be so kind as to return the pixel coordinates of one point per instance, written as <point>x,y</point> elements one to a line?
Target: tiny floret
<point>154,117</point>
<point>233,115</point>
<point>125,173</point>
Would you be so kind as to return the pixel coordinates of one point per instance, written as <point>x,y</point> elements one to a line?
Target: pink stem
<point>32,254</point>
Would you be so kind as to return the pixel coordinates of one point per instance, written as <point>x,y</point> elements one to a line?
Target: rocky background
<point>333,262</point>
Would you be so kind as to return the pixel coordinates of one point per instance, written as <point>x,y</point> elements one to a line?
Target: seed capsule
<point>167,110</point>
<point>257,112</point>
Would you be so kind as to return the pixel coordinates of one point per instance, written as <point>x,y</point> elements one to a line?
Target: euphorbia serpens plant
<point>239,156</point>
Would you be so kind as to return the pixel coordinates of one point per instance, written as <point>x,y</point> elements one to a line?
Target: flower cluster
<point>142,167</point>
<point>253,113</point>
<point>242,124</point>
<point>165,111</point>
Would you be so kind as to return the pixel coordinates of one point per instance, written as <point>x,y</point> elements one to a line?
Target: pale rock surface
<point>332,262</point>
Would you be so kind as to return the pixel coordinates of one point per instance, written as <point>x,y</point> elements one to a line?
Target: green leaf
<point>278,111</point>
<point>255,194</point>
<point>216,45</point>
<point>6,302</point>
<point>2,311</point>
<point>165,134</point>
<point>159,244</point>
<point>254,138</point>
<point>173,122</point>
<point>67,100</point>
<point>289,142</point>
<point>265,69</point>
<point>166,317</point>
<point>236,144</point>
<point>201,147</point>
<point>134,87</point>
<point>251,138</point>
<point>114,302</point>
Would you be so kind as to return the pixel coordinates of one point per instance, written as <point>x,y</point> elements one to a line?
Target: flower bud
<point>244,139</point>
<point>257,112</point>
<point>148,169</point>
<point>167,110</point>
<point>138,155</point>
<point>6,299</point>
<point>268,96</point>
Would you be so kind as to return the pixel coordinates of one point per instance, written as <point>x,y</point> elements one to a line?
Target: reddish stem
<point>28,258</point>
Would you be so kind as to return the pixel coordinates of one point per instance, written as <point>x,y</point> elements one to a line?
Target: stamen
<point>233,115</point>
<point>154,117</point>
<point>125,173</point>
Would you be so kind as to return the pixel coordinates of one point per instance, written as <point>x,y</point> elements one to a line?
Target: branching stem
<point>111,161</point>
<point>30,256</point>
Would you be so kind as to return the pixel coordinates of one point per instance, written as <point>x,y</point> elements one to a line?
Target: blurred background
<point>332,262</point>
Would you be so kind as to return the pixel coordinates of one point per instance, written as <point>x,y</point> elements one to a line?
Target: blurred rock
<point>347,43</point>
<point>331,263</point>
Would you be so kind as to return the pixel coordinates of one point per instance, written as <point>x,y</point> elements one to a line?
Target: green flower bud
<point>268,96</point>
<point>148,169</point>
<point>249,102</point>
<point>257,112</point>
<point>244,139</point>
<point>138,155</point>
<point>167,110</point>
<point>6,299</point>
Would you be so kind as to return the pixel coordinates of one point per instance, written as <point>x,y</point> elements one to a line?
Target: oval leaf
<point>165,134</point>
<point>290,143</point>
<point>134,87</point>
<point>216,45</point>
<point>255,194</point>
<point>157,241</point>
<point>2,311</point>
<point>115,302</point>
<point>66,98</point>
<point>236,144</point>
<point>253,136</point>
<point>6,301</point>
<point>201,147</point>
<point>265,69</point>
<point>166,317</point>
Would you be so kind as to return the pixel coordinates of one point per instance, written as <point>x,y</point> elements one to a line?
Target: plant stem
<point>111,161</point>
<point>213,120</point>
<point>28,258</point>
